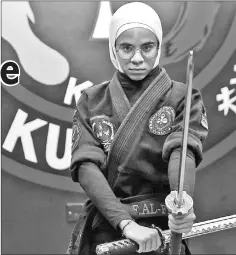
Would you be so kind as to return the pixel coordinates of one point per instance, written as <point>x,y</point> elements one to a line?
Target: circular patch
<point>103,130</point>
<point>76,134</point>
<point>160,122</point>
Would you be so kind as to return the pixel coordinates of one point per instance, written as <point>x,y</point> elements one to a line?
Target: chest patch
<point>103,129</point>
<point>160,122</point>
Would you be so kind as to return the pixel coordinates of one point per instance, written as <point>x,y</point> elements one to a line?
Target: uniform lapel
<point>132,118</point>
<point>120,101</point>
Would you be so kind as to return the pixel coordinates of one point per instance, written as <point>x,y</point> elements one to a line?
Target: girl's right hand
<point>148,239</point>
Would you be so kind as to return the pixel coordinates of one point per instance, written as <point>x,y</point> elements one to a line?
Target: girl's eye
<point>147,47</point>
<point>127,48</point>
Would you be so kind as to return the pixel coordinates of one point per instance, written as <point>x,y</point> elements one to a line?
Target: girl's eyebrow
<point>149,42</point>
<point>122,44</point>
<point>127,43</point>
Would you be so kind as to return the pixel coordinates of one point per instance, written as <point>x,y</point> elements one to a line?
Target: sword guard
<point>172,203</point>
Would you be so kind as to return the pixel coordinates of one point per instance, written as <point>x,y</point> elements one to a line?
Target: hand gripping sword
<point>179,203</point>
<point>127,246</point>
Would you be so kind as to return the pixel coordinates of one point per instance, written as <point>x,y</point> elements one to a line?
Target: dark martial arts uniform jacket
<point>131,146</point>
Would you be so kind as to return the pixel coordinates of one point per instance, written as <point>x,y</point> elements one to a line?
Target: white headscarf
<point>132,15</point>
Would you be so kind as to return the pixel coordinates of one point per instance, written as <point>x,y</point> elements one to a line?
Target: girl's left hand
<point>181,223</point>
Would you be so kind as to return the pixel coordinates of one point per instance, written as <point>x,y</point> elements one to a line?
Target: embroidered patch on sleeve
<point>104,130</point>
<point>204,122</point>
<point>76,132</point>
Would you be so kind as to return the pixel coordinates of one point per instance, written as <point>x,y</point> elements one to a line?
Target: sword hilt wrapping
<point>175,243</point>
<point>124,246</point>
<point>127,246</point>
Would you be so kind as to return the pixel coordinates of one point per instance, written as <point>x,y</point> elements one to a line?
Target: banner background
<point>61,48</point>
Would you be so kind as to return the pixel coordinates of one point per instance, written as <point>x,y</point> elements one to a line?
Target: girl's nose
<point>137,57</point>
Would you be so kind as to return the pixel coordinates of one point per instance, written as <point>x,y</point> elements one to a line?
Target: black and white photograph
<point>118,127</point>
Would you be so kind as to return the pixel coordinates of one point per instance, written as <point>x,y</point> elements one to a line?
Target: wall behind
<point>59,47</point>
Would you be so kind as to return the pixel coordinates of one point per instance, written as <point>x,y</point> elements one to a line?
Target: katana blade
<point>180,202</point>
<point>189,79</point>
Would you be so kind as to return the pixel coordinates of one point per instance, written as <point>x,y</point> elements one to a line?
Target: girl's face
<point>137,50</point>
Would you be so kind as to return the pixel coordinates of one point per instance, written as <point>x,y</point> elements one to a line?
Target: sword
<point>180,202</point>
<point>201,228</point>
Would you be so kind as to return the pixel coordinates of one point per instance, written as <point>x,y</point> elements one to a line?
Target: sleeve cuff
<point>117,220</point>
<point>174,141</point>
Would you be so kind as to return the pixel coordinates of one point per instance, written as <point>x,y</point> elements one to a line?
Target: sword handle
<point>124,246</point>
<point>172,206</point>
<point>175,243</point>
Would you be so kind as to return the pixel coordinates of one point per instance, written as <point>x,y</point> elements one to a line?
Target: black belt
<point>145,206</point>
<point>139,207</point>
